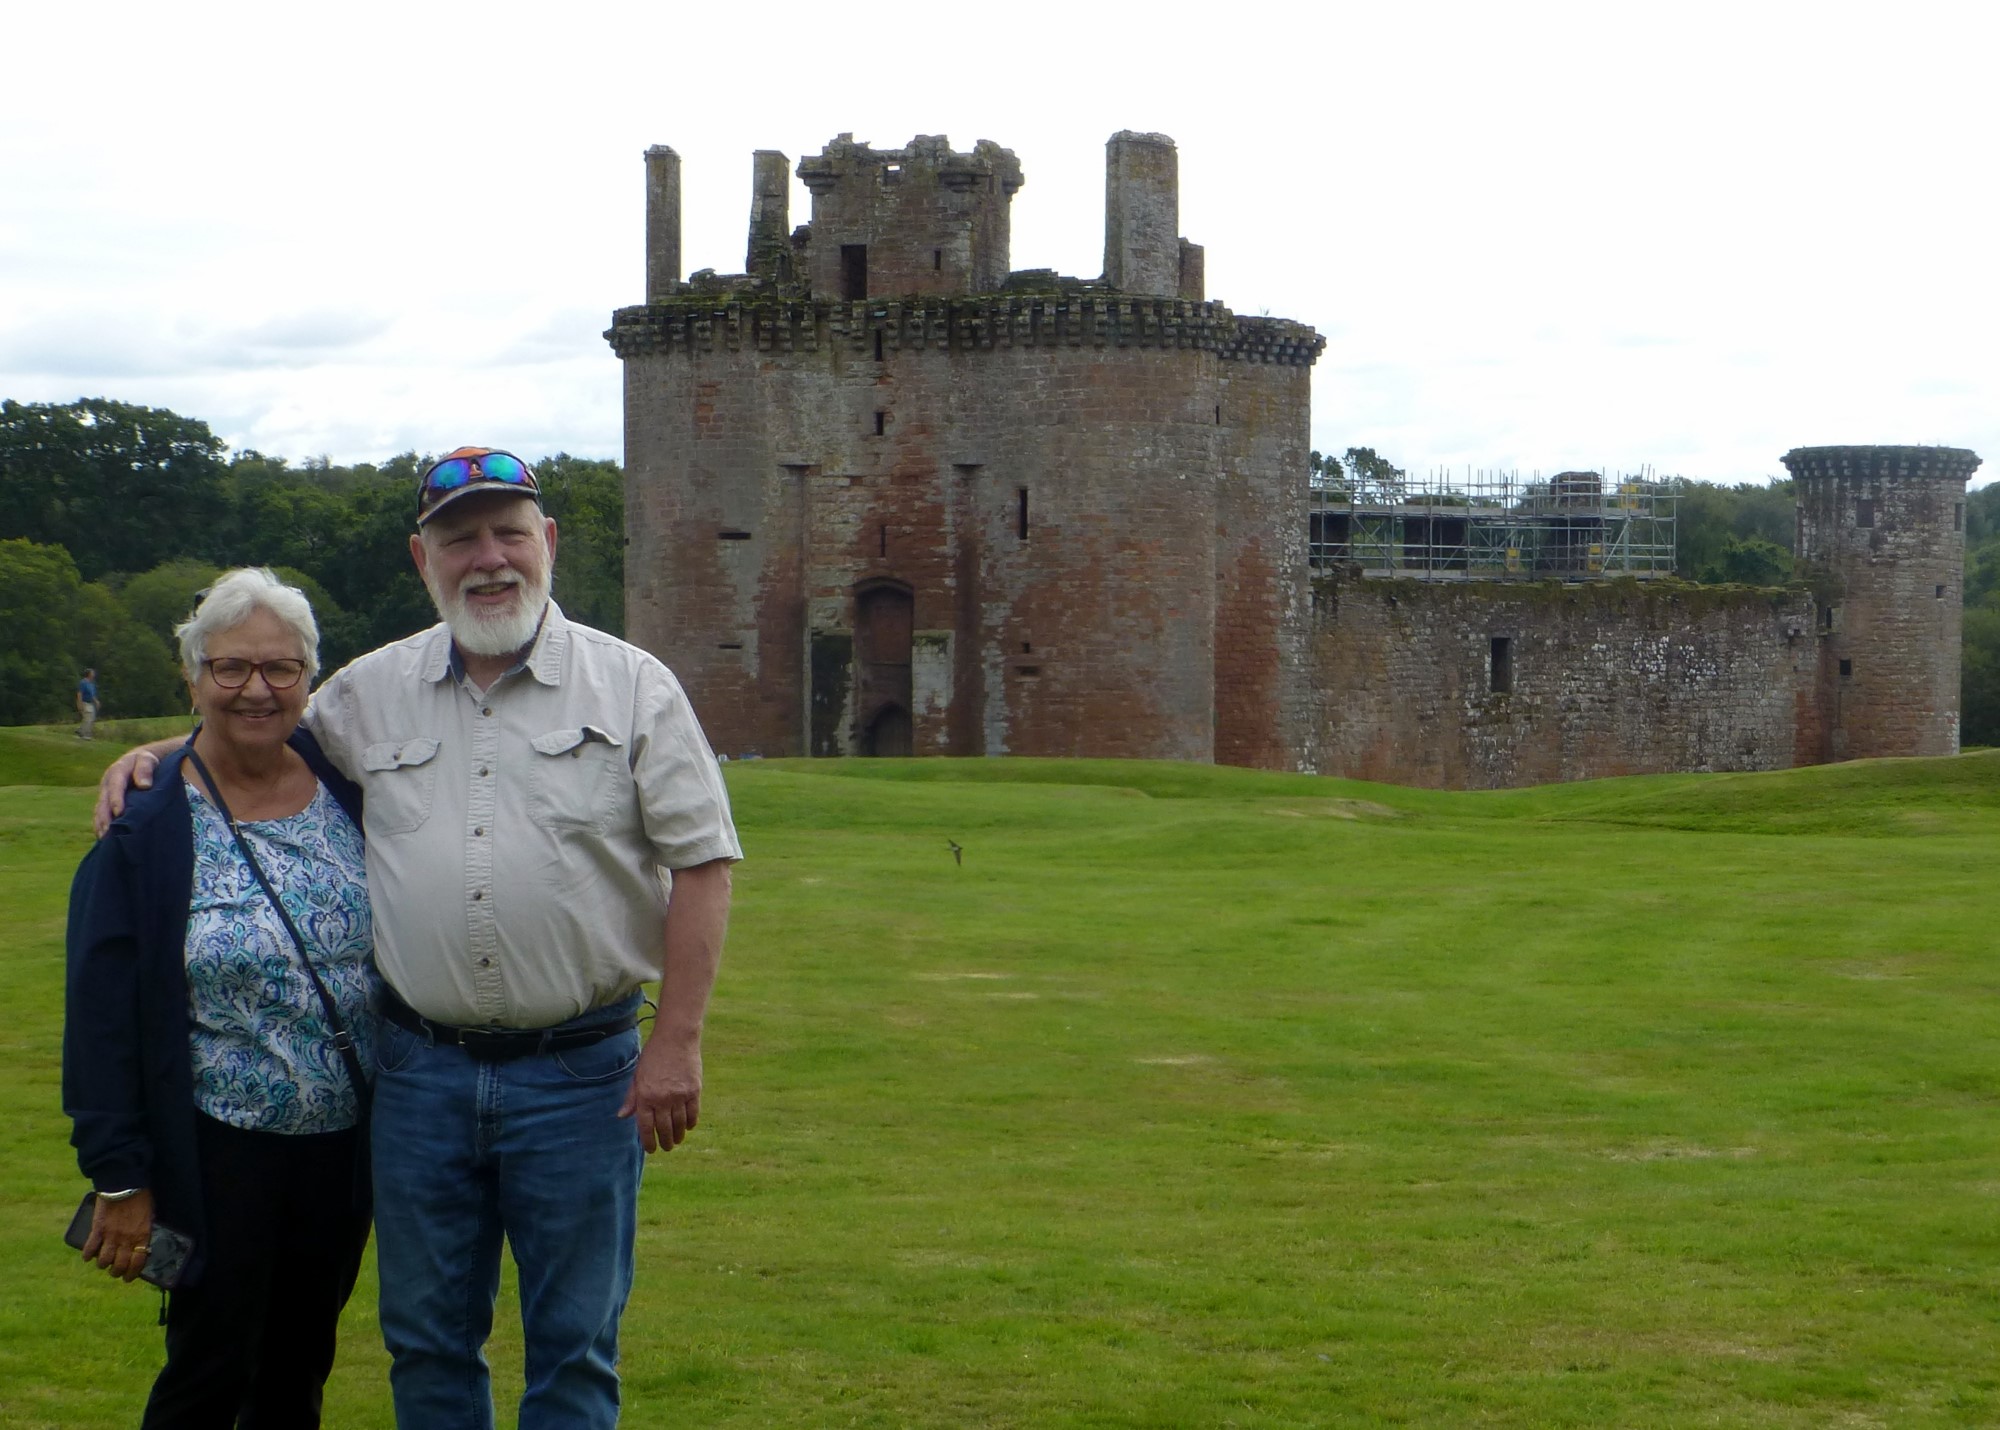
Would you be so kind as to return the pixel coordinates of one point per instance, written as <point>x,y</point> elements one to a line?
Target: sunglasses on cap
<point>472,469</point>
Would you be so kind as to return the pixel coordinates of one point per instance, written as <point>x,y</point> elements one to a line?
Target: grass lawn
<point>1207,1097</point>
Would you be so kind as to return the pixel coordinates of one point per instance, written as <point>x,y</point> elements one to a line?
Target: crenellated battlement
<point>1949,463</point>
<point>928,158</point>
<point>698,323</point>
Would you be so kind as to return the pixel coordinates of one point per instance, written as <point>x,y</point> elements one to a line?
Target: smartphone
<point>167,1259</point>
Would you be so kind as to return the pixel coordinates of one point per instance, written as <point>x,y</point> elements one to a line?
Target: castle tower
<point>900,500</point>
<point>1885,527</point>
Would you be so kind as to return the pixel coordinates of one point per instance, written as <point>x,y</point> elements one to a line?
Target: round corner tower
<point>886,496</point>
<point>1884,529</point>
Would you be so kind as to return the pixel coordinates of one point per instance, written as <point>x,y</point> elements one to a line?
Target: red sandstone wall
<point>1261,674</point>
<point>1615,679</point>
<point>1093,635</point>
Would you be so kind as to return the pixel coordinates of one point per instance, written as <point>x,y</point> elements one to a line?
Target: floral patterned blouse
<point>263,1056</point>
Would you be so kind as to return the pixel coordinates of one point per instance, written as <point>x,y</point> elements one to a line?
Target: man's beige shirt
<point>517,837</point>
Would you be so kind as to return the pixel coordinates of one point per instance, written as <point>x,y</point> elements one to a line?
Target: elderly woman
<point>200,1066</point>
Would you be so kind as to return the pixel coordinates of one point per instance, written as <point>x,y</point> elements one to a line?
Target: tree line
<point>118,515</point>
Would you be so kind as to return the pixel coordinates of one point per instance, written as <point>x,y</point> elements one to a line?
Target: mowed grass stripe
<point>1206,1097</point>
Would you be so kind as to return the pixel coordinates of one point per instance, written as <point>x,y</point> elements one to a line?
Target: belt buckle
<point>490,1044</point>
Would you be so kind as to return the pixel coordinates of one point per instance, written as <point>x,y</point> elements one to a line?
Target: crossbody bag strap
<point>343,1040</point>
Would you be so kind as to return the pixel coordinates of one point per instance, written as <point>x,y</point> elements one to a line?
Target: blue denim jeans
<point>530,1149</point>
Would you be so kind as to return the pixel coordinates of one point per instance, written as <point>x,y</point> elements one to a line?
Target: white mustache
<point>502,578</point>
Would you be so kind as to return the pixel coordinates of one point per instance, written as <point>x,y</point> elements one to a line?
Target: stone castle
<point>887,495</point>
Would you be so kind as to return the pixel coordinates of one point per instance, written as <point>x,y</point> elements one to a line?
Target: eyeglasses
<point>232,674</point>
<point>474,468</point>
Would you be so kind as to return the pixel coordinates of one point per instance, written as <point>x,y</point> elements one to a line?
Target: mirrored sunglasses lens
<point>447,475</point>
<point>502,467</point>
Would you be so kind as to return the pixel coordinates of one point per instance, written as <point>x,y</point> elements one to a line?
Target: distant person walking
<point>86,706</point>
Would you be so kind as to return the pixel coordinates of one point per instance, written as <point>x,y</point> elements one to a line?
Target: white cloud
<point>1537,235</point>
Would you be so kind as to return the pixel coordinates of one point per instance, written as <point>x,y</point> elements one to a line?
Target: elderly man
<point>525,782</point>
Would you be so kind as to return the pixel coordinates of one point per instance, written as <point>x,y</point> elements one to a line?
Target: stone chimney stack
<point>1142,215</point>
<point>663,222</point>
<point>770,253</point>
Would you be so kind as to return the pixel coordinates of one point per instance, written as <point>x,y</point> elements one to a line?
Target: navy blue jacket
<point>128,1079</point>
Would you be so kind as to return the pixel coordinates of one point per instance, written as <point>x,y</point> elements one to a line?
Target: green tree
<point>38,670</point>
<point>118,486</point>
<point>368,573</point>
<point>1979,677</point>
<point>163,597</point>
<point>138,673</point>
<point>1326,471</point>
<point>1374,477</point>
<point>1751,561</point>
<point>586,496</point>
<point>1715,523</point>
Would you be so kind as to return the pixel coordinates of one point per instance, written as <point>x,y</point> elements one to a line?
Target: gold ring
<point>143,1248</point>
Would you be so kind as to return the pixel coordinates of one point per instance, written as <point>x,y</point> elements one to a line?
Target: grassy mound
<point>52,755</point>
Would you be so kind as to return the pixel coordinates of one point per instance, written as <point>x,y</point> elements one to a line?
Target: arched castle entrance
<point>884,620</point>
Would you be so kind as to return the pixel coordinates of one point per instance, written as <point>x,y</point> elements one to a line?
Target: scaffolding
<point>1574,526</point>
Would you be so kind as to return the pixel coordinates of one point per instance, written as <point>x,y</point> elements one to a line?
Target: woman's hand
<point>120,1235</point>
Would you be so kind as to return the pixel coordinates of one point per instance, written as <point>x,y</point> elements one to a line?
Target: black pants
<point>250,1344</point>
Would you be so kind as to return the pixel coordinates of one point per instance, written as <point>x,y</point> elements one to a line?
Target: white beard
<point>480,632</point>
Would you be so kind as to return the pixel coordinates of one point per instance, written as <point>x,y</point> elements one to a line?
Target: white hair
<point>229,602</point>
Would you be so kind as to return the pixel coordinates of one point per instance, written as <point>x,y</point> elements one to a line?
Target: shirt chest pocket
<point>578,779</point>
<point>399,782</point>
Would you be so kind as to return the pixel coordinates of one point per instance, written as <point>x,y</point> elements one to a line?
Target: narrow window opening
<point>1826,618</point>
<point>1029,670</point>
<point>878,345</point>
<point>881,423</point>
<point>1940,593</point>
<point>1503,665</point>
<point>1864,512</point>
<point>882,540</point>
<point>729,645</point>
<point>1958,517</point>
<point>1027,647</point>
<point>1218,414</point>
<point>1846,669</point>
<point>732,535</point>
<point>1021,513</point>
<point>892,173</point>
<point>853,270</point>
<point>937,260</point>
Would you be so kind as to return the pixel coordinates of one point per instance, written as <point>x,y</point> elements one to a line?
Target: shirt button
<point>478,832</point>
<point>485,963</point>
<point>483,772</point>
<point>477,895</point>
<point>486,710</point>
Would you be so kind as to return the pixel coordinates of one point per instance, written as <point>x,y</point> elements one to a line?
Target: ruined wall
<point>931,221</point>
<point>1606,679</point>
<point>1885,527</point>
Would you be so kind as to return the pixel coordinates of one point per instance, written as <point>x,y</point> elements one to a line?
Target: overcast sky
<point>1536,236</point>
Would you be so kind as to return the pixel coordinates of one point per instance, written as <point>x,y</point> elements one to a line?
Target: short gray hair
<point>228,603</point>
